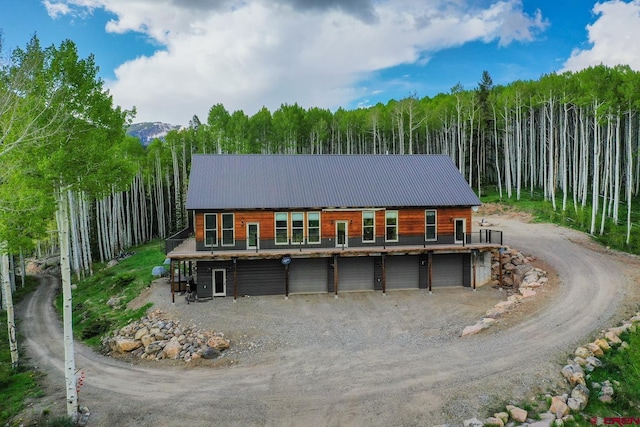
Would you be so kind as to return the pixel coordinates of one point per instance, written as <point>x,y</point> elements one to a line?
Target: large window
<point>391,220</point>
<point>211,229</point>
<point>282,228</point>
<point>227,230</point>
<point>297,227</point>
<point>430,225</point>
<point>313,227</point>
<point>368,226</point>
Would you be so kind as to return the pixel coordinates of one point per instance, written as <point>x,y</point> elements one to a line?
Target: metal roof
<point>325,181</point>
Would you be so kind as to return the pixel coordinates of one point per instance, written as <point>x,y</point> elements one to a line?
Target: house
<point>287,224</point>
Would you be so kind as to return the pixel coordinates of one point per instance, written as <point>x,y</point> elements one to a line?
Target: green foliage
<point>92,316</point>
<point>61,421</point>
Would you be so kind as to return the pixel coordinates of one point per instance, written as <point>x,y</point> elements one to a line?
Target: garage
<point>355,274</point>
<point>308,275</point>
<point>402,272</point>
<point>448,270</point>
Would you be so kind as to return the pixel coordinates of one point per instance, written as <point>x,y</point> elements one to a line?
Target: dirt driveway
<point>363,359</point>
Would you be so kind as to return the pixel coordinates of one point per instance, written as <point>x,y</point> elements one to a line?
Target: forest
<point>572,136</point>
<point>72,182</point>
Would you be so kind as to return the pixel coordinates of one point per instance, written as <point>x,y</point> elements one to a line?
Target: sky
<point>173,59</point>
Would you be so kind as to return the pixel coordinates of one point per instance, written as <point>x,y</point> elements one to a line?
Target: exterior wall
<point>411,227</point>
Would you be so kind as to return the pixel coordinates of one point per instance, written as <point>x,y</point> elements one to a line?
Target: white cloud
<point>613,37</point>
<point>247,54</point>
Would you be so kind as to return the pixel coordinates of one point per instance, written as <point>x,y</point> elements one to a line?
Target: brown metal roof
<point>325,181</point>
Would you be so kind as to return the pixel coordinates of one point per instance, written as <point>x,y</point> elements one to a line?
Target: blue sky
<point>173,59</point>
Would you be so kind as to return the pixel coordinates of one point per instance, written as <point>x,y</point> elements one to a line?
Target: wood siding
<point>411,222</point>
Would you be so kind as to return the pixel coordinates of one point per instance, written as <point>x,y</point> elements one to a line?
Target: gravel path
<point>362,359</point>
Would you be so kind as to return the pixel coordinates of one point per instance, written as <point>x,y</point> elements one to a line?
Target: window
<point>313,227</point>
<point>368,226</point>
<point>297,227</point>
<point>227,230</point>
<point>430,227</point>
<point>210,229</point>
<point>282,228</point>
<point>391,219</point>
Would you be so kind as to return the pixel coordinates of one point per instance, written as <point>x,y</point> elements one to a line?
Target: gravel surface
<point>363,359</point>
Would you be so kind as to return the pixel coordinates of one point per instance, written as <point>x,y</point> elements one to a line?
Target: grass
<point>623,366</point>
<point>92,316</point>
<point>15,385</point>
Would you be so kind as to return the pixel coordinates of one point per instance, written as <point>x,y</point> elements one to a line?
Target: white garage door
<point>308,275</point>
<point>402,272</point>
<point>355,274</point>
<point>447,270</point>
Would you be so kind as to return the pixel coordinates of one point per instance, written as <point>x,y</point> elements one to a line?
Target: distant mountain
<point>148,131</point>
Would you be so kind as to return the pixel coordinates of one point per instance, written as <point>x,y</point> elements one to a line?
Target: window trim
<point>215,230</point>
<point>396,226</point>
<point>434,225</point>
<point>275,226</point>
<point>373,226</point>
<point>293,229</point>
<point>319,227</point>
<point>223,229</point>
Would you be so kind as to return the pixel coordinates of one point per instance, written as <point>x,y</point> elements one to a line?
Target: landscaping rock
<point>558,407</point>
<point>473,422</point>
<point>517,414</point>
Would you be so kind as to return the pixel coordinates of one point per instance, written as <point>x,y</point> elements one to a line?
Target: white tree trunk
<point>62,218</point>
<point>7,301</point>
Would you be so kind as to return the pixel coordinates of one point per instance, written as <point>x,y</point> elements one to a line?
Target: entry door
<point>460,225</point>
<point>253,235</point>
<point>342,233</point>
<point>219,278</point>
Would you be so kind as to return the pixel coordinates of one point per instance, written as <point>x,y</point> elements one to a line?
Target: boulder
<point>502,416</point>
<point>603,344</point>
<point>494,421</point>
<point>140,333</point>
<point>218,343</point>
<point>526,292</point>
<point>210,353</point>
<point>147,339</point>
<point>613,338</point>
<point>173,348</point>
<point>125,345</point>
<point>581,394</point>
<point>594,361</point>
<point>558,407</point>
<point>583,352</point>
<point>473,422</point>
<point>594,349</point>
<point>519,415</point>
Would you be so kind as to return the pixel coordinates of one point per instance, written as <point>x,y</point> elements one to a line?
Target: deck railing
<point>177,239</point>
<point>481,237</point>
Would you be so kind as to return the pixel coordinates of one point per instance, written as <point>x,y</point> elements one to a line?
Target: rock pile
<point>155,337</point>
<point>520,278</point>
<point>562,407</point>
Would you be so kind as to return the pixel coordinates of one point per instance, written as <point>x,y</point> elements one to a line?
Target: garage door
<point>308,275</point>
<point>448,270</point>
<point>402,272</point>
<point>355,274</point>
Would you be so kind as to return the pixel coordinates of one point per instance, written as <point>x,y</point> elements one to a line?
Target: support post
<point>384,274</point>
<point>335,276</point>
<point>172,281</point>
<point>474,256</point>
<point>430,269</point>
<point>286,282</point>
<point>235,279</point>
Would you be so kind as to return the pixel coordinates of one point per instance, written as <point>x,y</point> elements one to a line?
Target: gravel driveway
<point>360,360</point>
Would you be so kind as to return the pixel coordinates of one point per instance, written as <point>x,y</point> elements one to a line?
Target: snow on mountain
<point>148,131</point>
